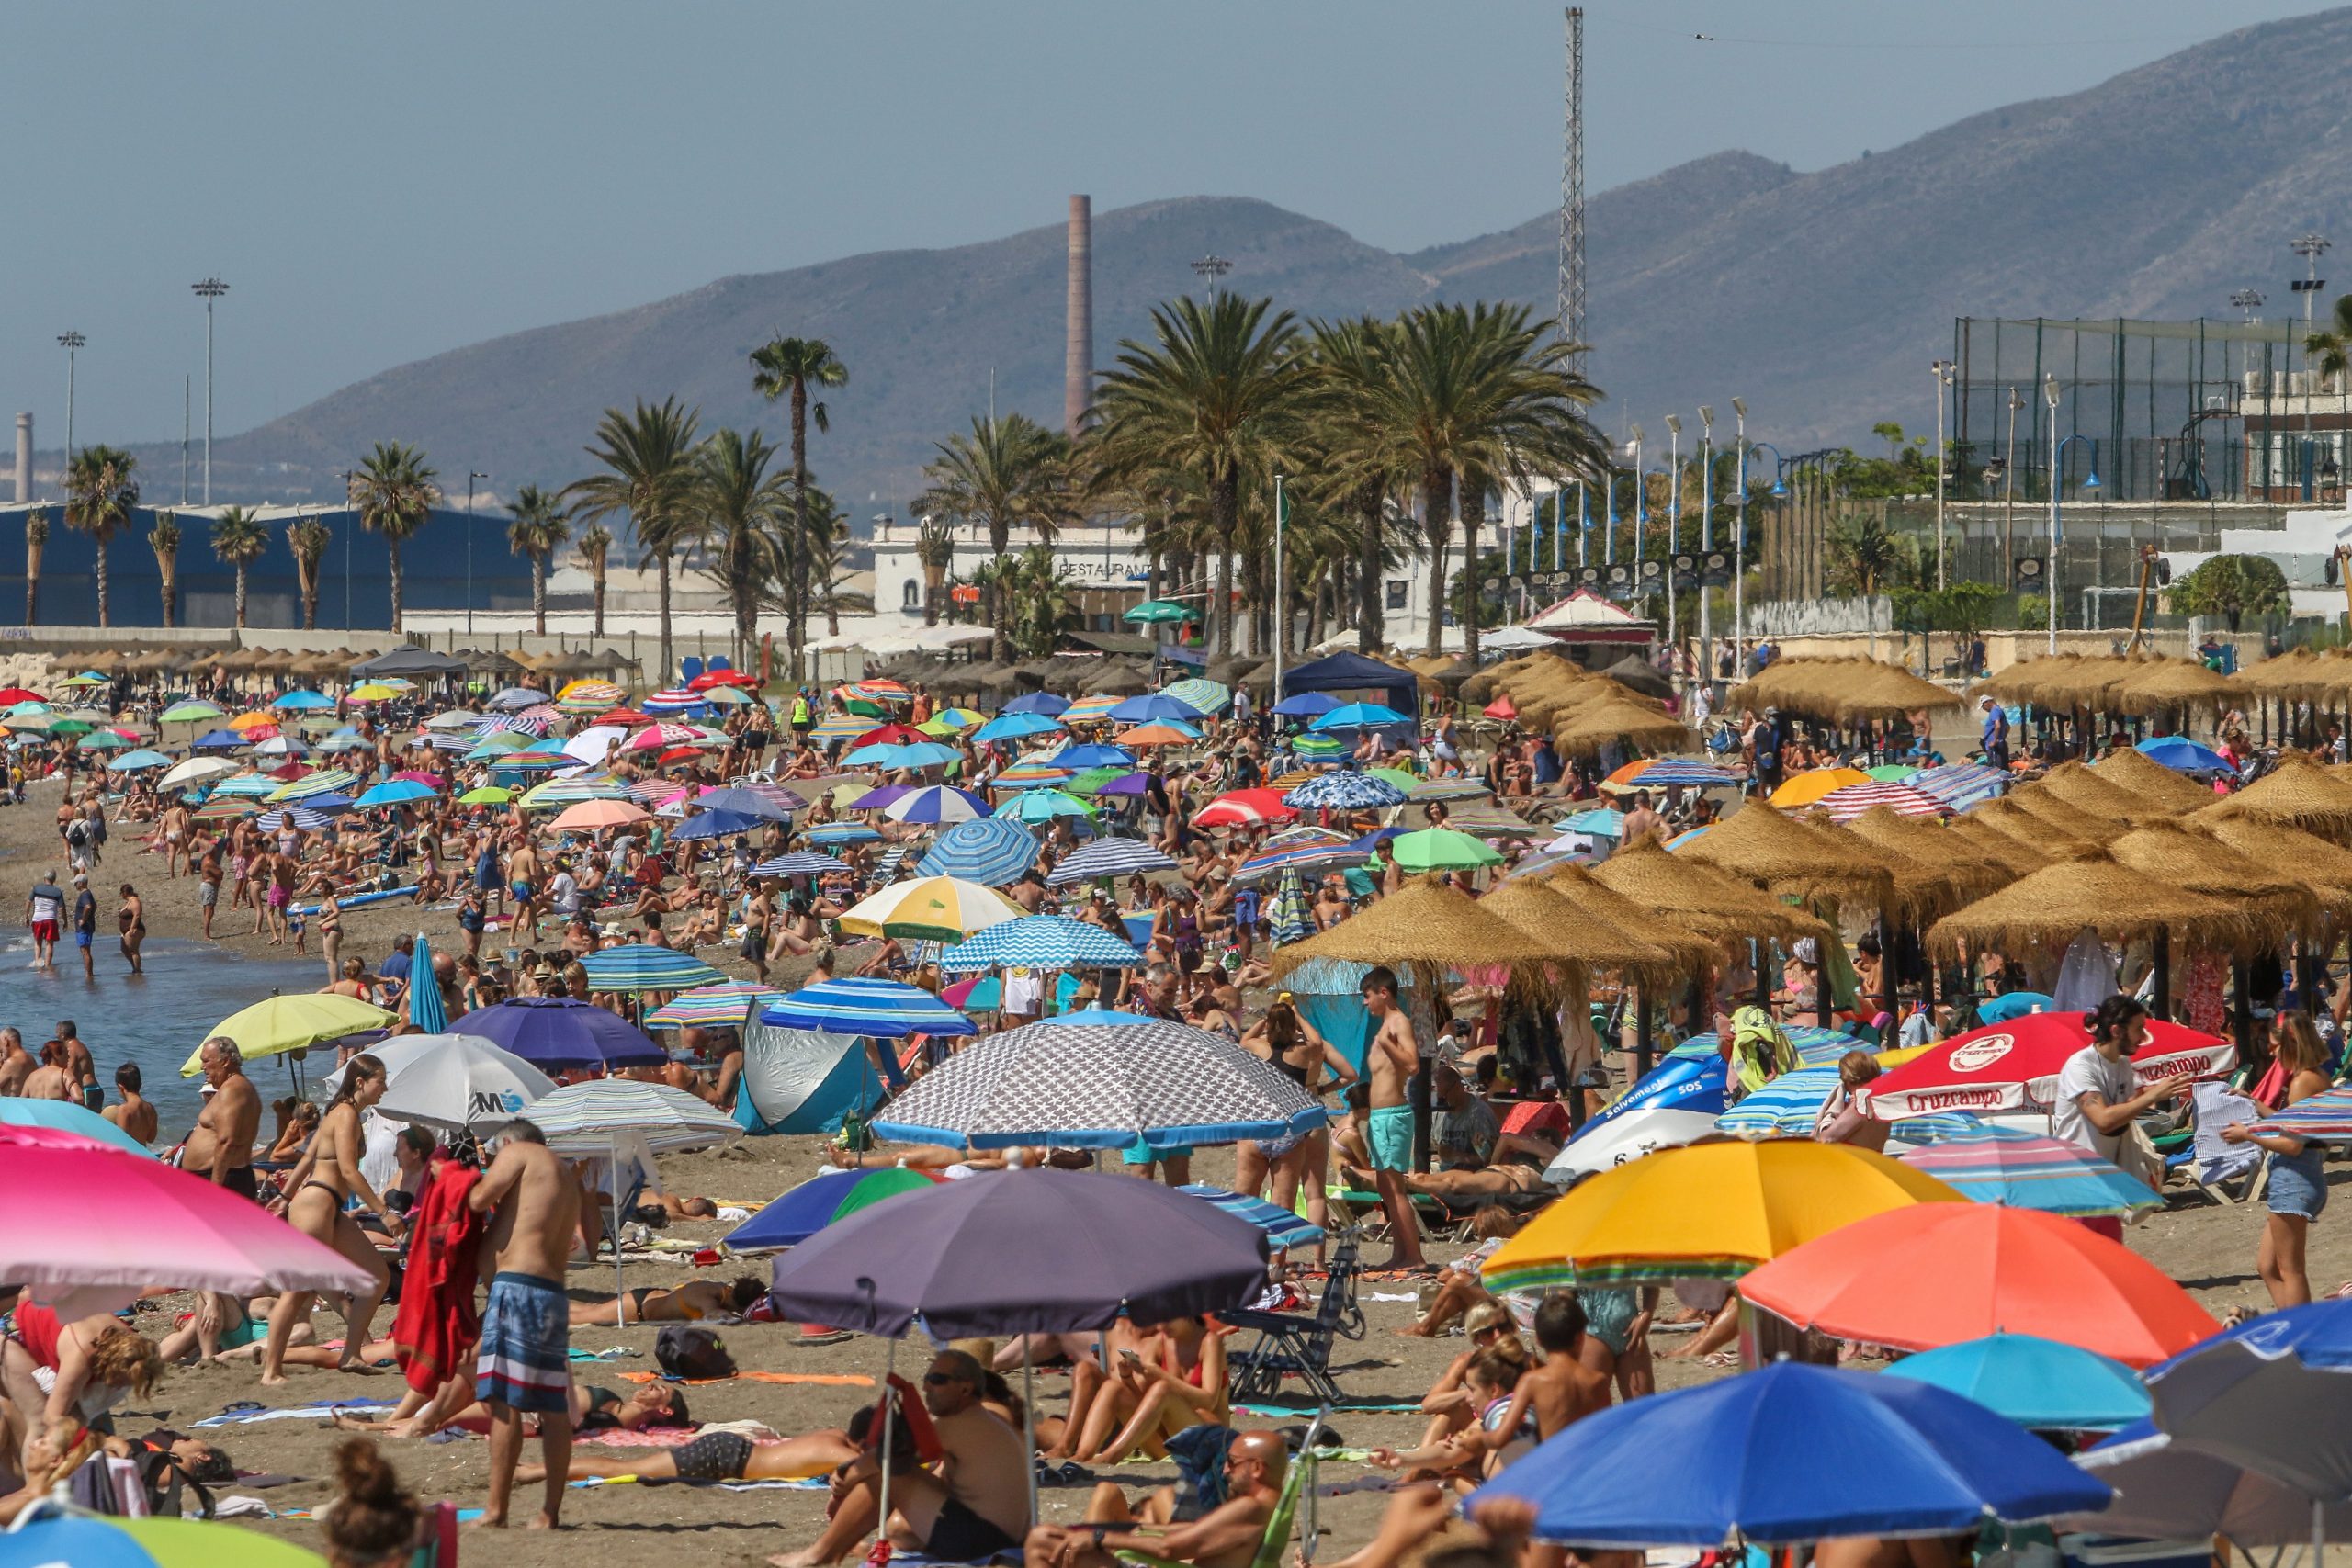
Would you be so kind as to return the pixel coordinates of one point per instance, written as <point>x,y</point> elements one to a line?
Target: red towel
<point>436,1328</point>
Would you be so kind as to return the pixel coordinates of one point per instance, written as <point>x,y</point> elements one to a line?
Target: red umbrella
<point>290,772</point>
<point>2014,1066</point>
<point>1241,807</point>
<point>1854,800</point>
<point>709,678</point>
<point>621,716</point>
<point>1930,1274</point>
<point>415,776</point>
<point>1501,708</point>
<point>889,735</point>
<point>12,695</point>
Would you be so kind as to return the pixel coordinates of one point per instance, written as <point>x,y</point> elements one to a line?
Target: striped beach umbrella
<point>1319,748</point>
<point>886,1009</point>
<point>299,817</point>
<point>798,863</point>
<point>394,792</point>
<point>586,696</point>
<point>1245,808</point>
<point>1028,774</point>
<point>1283,1229</point>
<point>531,723</point>
<point>581,1120</point>
<point>622,716</point>
<point>1289,918</point>
<point>228,809</point>
<point>839,726</point>
<point>2020,1170</point>
<point>1657,773</point>
<point>1043,805</point>
<point>842,833</point>
<point>2325,1117</point>
<point>1845,805</point>
<point>1960,784</point>
<point>993,850</point>
<point>557,794</point>
<point>1202,695</point>
<point>326,781</point>
<point>640,966</point>
<point>1016,727</point>
<point>1305,849</point>
<point>728,1004</point>
<point>250,786</point>
<point>1041,941</point>
<point>676,699</point>
<point>930,908</point>
<point>660,736</point>
<point>936,803</point>
<point>1095,709</point>
<point>1108,857</point>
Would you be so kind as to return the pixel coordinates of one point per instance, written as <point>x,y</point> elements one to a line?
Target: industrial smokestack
<point>1078,362</point>
<point>24,458</point>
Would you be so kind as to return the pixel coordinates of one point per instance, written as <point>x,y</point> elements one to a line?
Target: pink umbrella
<point>90,1228</point>
<point>654,737</point>
<point>1845,805</point>
<point>430,781</point>
<point>590,815</point>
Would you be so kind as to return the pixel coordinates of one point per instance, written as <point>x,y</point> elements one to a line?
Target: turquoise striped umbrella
<point>255,786</point>
<point>557,794</point>
<point>1041,941</point>
<point>640,966</point>
<point>1205,696</point>
<point>884,1008</point>
<point>326,781</point>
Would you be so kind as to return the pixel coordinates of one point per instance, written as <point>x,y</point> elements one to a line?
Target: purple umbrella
<point>554,1032</point>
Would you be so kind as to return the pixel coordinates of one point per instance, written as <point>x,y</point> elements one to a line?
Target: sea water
<point>157,1019</point>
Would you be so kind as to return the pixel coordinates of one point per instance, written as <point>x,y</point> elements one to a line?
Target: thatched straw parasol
<point>1589,898</point>
<point>2018,856</point>
<point>2324,868</point>
<point>2056,904</point>
<point>2136,772</point>
<point>2298,792</point>
<point>2275,904</point>
<point>2027,810</point>
<point>1844,690</point>
<point>2076,785</point>
<point>2054,680</point>
<point>2289,676</point>
<point>1480,688</point>
<point>1597,725</point>
<point>1425,924</point>
<point>1699,896</point>
<point>1791,858</point>
<point>1570,937</point>
<point>1936,871</point>
<point>2161,685</point>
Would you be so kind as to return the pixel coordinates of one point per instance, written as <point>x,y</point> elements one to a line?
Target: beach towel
<point>436,1327</point>
<point>248,1416</point>
<point>822,1380</point>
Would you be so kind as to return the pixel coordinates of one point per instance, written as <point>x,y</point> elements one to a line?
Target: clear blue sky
<point>381,182</point>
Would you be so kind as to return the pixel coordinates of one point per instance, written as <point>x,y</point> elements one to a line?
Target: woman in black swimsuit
<point>1295,1049</point>
<point>327,1178</point>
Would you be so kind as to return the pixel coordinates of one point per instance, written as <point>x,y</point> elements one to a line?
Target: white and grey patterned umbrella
<point>1108,857</point>
<point>584,1118</point>
<point>1099,1080</point>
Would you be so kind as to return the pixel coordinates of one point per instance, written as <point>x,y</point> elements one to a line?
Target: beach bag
<point>685,1351</point>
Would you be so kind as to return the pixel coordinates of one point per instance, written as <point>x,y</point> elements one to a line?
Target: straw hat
<point>2276,904</point>
<point>1586,898</point>
<point>2298,792</point>
<point>1775,851</point>
<point>1936,870</point>
<point>1569,935</point>
<point>1424,924</point>
<point>1693,894</point>
<point>2054,905</point>
<point>2136,772</point>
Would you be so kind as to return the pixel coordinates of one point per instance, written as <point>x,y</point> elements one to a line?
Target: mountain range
<point>1819,297</point>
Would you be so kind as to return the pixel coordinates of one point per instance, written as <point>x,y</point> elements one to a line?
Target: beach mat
<point>820,1380</point>
<point>247,1415</point>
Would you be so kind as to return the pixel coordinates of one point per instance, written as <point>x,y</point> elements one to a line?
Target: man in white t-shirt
<point>2096,1104</point>
<point>563,893</point>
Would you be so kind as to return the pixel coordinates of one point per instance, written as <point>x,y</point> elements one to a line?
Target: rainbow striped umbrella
<point>1026,774</point>
<point>839,726</point>
<point>641,966</point>
<point>1095,709</point>
<point>2325,1116</point>
<point>728,1004</point>
<point>2018,1170</point>
<point>556,793</point>
<point>1845,805</point>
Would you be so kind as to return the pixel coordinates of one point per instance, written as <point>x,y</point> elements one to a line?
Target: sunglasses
<point>940,1380</point>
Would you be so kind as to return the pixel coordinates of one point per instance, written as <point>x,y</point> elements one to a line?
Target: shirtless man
<point>1226,1537</point>
<point>15,1062</point>
<point>136,1114</point>
<point>220,1147</point>
<point>176,839</point>
<point>1391,1061</point>
<point>523,1367</point>
<point>974,1504</point>
<point>81,1065</point>
<point>1641,821</point>
<point>523,879</point>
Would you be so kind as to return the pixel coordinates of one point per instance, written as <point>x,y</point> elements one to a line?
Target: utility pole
<point>1210,268</point>
<point>471,477</point>
<point>1571,322</point>
<point>350,537</point>
<point>1673,527</point>
<point>70,342</point>
<point>2010,492</point>
<point>188,403</point>
<point>1281,605</point>
<point>1739,538</point>
<point>211,290</point>
<point>1944,370</point>
<point>2050,574</point>
<point>2310,247</point>
<point>1706,535</point>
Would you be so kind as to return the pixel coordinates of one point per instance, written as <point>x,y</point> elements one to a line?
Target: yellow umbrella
<point>374,692</point>
<point>1806,788</point>
<point>932,909</point>
<point>1709,1211</point>
<point>290,1023</point>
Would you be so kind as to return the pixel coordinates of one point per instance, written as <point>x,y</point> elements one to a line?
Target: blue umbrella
<point>1882,1457</point>
<point>1344,790</point>
<point>1960,784</point>
<point>2184,755</point>
<point>713,825</point>
<point>1108,857</point>
<point>993,850</point>
<point>798,863</point>
<point>1306,705</point>
<point>2015,1004</point>
<point>880,796</point>
<point>2268,1394</point>
<point>64,1116</point>
<point>1675,770</point>
<point>641,966</point>
<point>1359,716</point>
<point>1045,703</point>
<point>842,833</point>
<point>1011,726</point>
<point>555,1033</point>
<point>139,762</point>
<point>1152,705</point>
<point>917,755</point>
<point>743,802</point>
<point>304,701</point>
<point>1041,941</point>
<point>817,1202</point>
<point>936,804</point>
<point>1283,1229</point>
<point>399,792</point>
<point>217,741</point>
<point>883,1009</point>
<point>1675,1103</point>
<point>2036,1382</point>
<point>1094,754</point>
<point>425,1006</point>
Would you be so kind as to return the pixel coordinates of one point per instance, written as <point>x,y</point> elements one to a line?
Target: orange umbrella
<point>590,815</point>
<point>245,721</point>
<point>1151,735</point>
<point>1933,1274</point>
<point>1806,788</point>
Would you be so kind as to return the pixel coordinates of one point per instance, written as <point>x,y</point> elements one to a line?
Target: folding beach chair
<point>1298,1482</point>
<point>1300,1343</point>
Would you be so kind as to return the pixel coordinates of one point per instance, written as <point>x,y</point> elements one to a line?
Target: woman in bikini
<point>1295,1049</point>
<point>689,1303</point>
<point>131,921</point>
<point>327,1178</point>
<point>1175,1379</point>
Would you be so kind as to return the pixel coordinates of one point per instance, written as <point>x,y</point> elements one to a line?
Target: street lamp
<point>1944,371</point>
<point>1281,616</point>
<point>70,343</point>
<point>1673,522</point>
<point>1641,512</point>
<point>2057,479</point>
<point>2248,300</point>
<point>1706,535</point>
<point>209,291</point>
<point>1609,520</point>
<point>1209,269</point>
<point>471,478</point>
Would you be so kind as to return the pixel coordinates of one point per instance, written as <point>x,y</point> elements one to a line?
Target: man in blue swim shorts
<point>524,1365</point>
<point>1390,1062</point>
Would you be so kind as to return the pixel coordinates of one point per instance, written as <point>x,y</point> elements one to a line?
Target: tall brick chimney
<point>1077,360</point>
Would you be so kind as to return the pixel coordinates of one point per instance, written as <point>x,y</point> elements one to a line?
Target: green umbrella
<point>70,727</point>
<point>1159,612</point>
<point>1440,849</point>
<point>190,712</point>
<point>488,794</point>
<point>1043,805</point>
<point>1891,772</point>
<point>1398,776</point>
<point>104,741</point>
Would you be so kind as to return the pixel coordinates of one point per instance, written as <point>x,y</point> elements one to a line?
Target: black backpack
<point>685,1351</point>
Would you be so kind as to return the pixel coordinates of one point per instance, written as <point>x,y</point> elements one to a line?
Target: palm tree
<point>594,545</point>
<point>99,495</point>
<point>2331,348</point>
<point>1865,556</point>
<point>307,538</point>
<point>36,541</point>
<point>788,367</point>
<point>1352,358</point>
<point>239,540</point>
<point>1223,386</point>
<point>738,504</point>
<point>935,549</point>
<point>827,546</point>
<point>394,493</point>
<point>539,531</point>
<point>163,539</point>
<point>651,456</point>
<point>1008,471</point>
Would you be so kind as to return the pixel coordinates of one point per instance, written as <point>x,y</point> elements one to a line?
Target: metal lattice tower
<point>1572,301</point>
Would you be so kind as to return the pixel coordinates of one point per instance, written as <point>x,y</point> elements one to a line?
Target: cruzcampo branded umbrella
<point>1710,1211</point>
<point>2026,1171</point>
<point>2014,1065</point>
<point>1904,1459</point>
<point>818,1202</point>
<point>993,852</point>
<point>278,1024</point>
<point>2035,1382</point>
<point>1440,849</point>
<point>641,966</point>
<point>89,1226</point>
<point>930,908</point>
<point>1042,941</point>
<point>554,1033</point>
<point>1939,1273</point>
<point>1101,1080</point>
<point>87,1540</point>
<point>885,1009</point>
